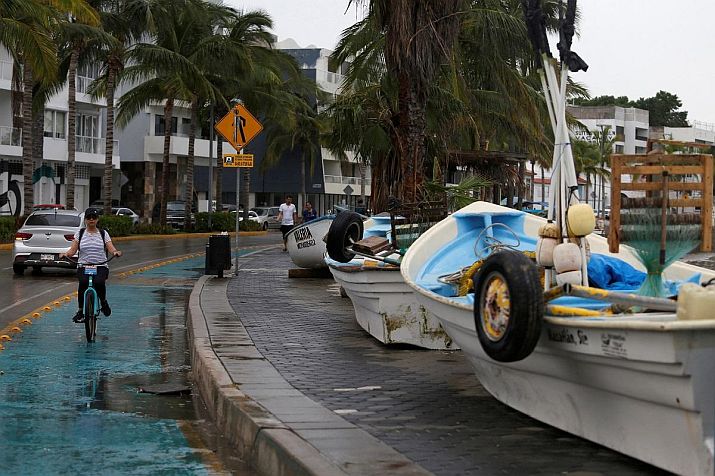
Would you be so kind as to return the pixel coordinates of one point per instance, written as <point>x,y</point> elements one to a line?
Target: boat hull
<point>386,308</point>
<point>643,385</point>
<point>305,244</point>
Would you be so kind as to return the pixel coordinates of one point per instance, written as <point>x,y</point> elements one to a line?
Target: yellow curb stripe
<point>26,320</point>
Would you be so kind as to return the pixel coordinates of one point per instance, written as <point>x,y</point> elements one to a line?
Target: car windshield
<point>53,220</point>
<point>174,206</point>
<point>260,211</point>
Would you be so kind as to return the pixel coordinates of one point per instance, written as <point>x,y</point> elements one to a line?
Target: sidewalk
<point>299,388</point>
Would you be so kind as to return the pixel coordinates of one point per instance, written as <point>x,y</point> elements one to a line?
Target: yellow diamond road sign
<point>238,160</point>
<point>238,127</point>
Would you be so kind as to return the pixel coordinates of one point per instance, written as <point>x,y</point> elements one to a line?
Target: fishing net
<point>643,234</point>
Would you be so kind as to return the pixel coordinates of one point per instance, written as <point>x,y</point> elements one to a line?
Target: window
<point>159,125</point>
<point>54,124</point>
<point>88,135</point>
<point>619,149</point>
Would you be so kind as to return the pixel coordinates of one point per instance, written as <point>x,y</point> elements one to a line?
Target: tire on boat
<point>508,306</point>
<point>346,228</point>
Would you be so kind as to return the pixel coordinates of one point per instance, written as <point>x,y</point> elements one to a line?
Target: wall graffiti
<point>11,196</point>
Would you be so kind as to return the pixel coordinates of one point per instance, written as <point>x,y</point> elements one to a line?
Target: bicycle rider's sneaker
<point>79,317</point>
<point>106,310</point>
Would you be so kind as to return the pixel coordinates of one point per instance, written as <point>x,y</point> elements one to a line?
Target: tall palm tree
<point>419,37</point>
<point>127,22</point>
<point>26,31</point>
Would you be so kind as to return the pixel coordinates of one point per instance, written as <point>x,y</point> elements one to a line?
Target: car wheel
<point>265,226</point>
<point>18,269</point>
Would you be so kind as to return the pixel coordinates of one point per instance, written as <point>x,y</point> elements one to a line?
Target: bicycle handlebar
<point>76,261</point>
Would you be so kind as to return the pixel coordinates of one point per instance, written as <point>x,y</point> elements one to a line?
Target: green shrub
<point>116,225</point>
<point>249,226</point>
<point>8,227</point>
<point>220,221</point>
<point>152,229</point>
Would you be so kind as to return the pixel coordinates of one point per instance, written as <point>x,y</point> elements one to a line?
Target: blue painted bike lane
<point>69,407</point>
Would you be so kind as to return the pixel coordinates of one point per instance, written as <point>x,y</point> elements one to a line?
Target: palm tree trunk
<point>361,168</point>
<point>219,176</point>
<point>302,179</point>
<point>38,141</point>
<point>168,119</point>
<point>28,165</point>
<point>109,137</point>
<point>71,126</point>
<point>543,188</point>
<point>190,162</point>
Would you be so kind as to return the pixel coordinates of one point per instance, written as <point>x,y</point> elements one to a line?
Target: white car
<point>126,212</point>
<point>44,235</point>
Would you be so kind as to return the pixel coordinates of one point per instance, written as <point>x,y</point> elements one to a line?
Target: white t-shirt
<point>287,211</point>
<point>91,248</point>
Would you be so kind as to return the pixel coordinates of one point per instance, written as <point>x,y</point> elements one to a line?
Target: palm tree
<point>587,160</point>
<point>73,38</point>
<point>419,37</point>
<point>301,137</point>
<point>605,143</point>
<point>26,31</point>
<point>126,22</point>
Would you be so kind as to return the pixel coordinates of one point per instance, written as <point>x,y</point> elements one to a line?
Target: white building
<point>627,126</point>
<point>50,171</point>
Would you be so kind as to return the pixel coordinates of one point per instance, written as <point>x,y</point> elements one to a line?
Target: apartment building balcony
<point>10,141</point>
<point>154,146</point>
<point>335,184</point>
<point>81,94</point>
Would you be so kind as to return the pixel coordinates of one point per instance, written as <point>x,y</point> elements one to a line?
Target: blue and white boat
<point>305,243</point>
<point>642,383</point>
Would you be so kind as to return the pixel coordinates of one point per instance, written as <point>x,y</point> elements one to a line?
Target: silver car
<point>126,212</point>
<point>44,235</point>
<point>267,217</point>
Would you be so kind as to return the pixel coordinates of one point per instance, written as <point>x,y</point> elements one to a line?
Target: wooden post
<point>615,218</point>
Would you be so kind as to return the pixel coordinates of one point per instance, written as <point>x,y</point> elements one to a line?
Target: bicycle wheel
<point>90,316</point>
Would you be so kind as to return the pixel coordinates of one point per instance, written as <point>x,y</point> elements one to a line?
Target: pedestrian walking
<point>287,216</point>
<point>309,212</point>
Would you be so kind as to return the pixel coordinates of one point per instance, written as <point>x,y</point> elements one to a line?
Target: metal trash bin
<point>218,254</point>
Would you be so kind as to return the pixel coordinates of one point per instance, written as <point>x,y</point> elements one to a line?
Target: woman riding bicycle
<point>93,245</point>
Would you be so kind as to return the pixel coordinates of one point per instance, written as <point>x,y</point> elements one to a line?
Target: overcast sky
<point>634,47</point>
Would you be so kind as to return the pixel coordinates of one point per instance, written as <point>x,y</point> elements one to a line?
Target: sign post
<point>238,127</point>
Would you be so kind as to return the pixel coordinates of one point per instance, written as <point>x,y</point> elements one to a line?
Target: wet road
<point>21,294</point>
<point>69,407</point>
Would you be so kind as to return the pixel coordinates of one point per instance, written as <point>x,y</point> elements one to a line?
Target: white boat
<point>385,307</point>
<point>305,242</point>
<point>642,384</point>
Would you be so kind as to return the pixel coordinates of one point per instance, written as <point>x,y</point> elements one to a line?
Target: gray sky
<point>634,48</point>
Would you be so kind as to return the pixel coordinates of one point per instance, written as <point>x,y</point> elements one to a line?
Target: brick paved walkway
<point>428,405</point>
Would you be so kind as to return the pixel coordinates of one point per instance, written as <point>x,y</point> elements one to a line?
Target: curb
<point>263,440</point>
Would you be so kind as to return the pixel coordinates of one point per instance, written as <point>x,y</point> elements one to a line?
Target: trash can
<point>218,254</point>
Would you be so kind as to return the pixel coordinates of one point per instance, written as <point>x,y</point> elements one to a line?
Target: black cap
<point>91,213</point>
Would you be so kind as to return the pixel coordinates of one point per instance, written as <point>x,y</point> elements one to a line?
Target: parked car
<point>126,212</point>
<point>44,235</point>
<point>100,203</point>
<point>48,206</point>
<point>252,216</point>
<point>268,217</point>
<point>175,213</point>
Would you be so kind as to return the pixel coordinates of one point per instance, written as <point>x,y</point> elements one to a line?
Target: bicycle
<point>91,305</point>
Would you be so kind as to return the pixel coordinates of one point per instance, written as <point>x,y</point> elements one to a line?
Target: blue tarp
<point>607,272</point>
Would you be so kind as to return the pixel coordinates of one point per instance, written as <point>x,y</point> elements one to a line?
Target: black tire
<point>90,318</point>
<point>18,269</point>
<point>518,331</point>
<point>265,226</point>
<point>346,229</point>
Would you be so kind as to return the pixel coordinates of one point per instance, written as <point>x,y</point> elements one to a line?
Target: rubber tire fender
<point>526,306</point>
<point>346,226</point>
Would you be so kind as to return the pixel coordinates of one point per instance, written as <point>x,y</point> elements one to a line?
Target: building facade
<point>50,170</point>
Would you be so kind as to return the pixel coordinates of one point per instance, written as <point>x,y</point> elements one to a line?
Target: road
<point>22,294</point>
<point>70,407</point>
